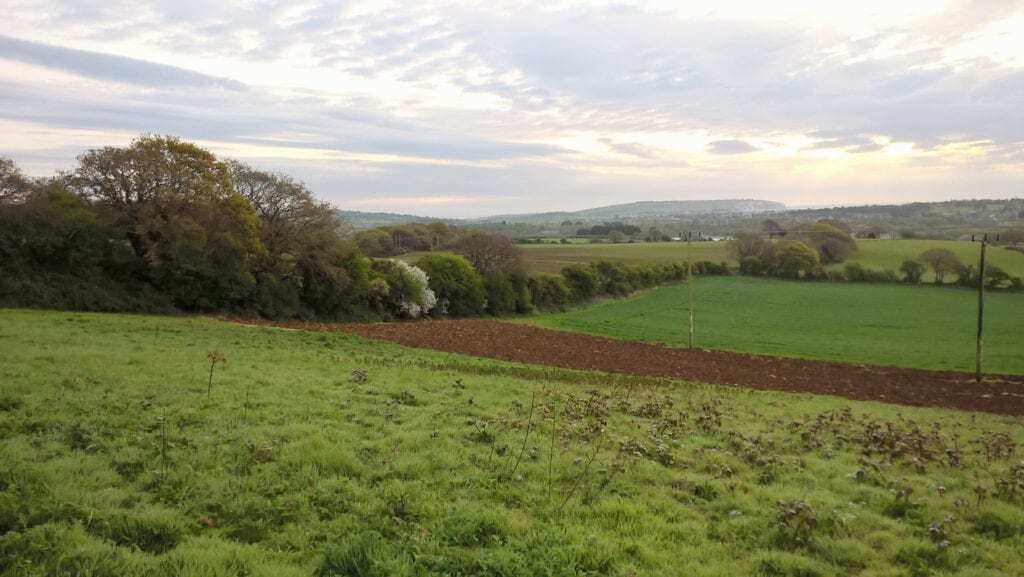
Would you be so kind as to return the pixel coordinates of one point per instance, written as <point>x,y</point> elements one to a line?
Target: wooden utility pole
<point>980,354</point>
<point>689,283</point>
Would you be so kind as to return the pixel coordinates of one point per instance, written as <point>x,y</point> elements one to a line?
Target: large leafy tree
<point>489,253</point>
<point>832,243</point>
<point>942,261</point>
<point>308,265</point>
<point>14,185</point>
<point>795,259</point>
<point>193,236</point>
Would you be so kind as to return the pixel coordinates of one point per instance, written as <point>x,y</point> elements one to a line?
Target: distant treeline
<point>163,225</point>
<point>803,255</point>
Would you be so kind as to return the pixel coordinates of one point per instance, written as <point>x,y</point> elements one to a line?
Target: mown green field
<point>911,326</point>
<point>116,459</point>
<point>552,257</point>
<point>873,254</point>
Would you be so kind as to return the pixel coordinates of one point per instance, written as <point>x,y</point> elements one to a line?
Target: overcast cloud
<point>473,108</point>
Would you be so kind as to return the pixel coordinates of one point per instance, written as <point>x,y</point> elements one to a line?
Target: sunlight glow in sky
<point>473,108</point>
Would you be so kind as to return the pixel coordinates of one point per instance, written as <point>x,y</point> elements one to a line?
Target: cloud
<point>109,67</point>
<point>554,103</point>
<point>847,142</point>
<point>730,147</point>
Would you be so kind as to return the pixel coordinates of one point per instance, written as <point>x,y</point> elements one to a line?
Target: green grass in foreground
<point>114,461</point>
<point>923,327</point>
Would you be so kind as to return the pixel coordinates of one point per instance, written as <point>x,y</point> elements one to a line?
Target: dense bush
<point>504,297</point>
<point>399,289</point>
<point>912,271</point>
<point>832,240</point>
<point>582,280</point>
<point>942,261</point>
<point>549,292</point>
<point>163,224</point>
<point>795,259</point>
<point>855,272</point>
<point>459,288</point>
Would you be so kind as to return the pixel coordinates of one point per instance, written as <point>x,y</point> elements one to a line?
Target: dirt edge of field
<point>523,343</point>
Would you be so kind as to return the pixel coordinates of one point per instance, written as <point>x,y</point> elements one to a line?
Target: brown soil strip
<point>1001,394</point>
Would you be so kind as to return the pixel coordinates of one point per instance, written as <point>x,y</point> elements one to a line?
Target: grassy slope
<point>875,254</point>
<point>925,327</point>
<point>113,461</point>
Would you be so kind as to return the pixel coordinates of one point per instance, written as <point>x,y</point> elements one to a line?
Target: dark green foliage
<point>459,289</point>
<point>795,259</point>
<point>833,242</point>
<point>855,272</point>
<point>582,281</point>
<point>501,295</point>
<point>164,224</point>
<point>941,261</point>
<point>912,271</point>
<point>996,277</point>
<point>549,292</point>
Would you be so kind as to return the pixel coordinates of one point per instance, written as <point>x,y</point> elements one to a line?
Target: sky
<point>478,108</point>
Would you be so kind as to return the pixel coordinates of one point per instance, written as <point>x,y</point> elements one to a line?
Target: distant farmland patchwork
<point>922,327</point>
<point>875,254</point>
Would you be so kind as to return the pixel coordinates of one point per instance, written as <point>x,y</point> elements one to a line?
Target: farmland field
<point>325,454</point>
<point>922,327</point>
<point>552,257</point>
<point>874,254</point>
<point>888,254</point>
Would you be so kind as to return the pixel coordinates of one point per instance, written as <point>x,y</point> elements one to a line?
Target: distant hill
<point>647,209</point>
<point>362,220</point>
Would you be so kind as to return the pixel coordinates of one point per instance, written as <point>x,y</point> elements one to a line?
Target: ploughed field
<point>528,344</point>
<point>323,453</point>
<point>881,324</point>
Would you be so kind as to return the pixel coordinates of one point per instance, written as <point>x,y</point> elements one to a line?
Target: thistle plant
<point>214,357</point>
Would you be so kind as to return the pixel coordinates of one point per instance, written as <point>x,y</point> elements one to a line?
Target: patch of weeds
<point>921,559</point>
<point>1010,485</point>
<point>705,491</point>
<point>364,555</point>
<point>993,525</point>
<point>796,523</point>
<point>997,446</point>
<point>901,506</point>
<point>152,531</point>
<point>656,451</point>
<point>783,564</point>
<point>475,527</point>
<point>10,402</point>
<point>80,437</point>
<point>407,398</point>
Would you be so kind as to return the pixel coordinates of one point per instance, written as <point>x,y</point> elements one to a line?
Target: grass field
<point>552,257</point>
<point>116,459</point>
<point>921,327</point>
<point>874,254</point>
<point>889,254</point>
